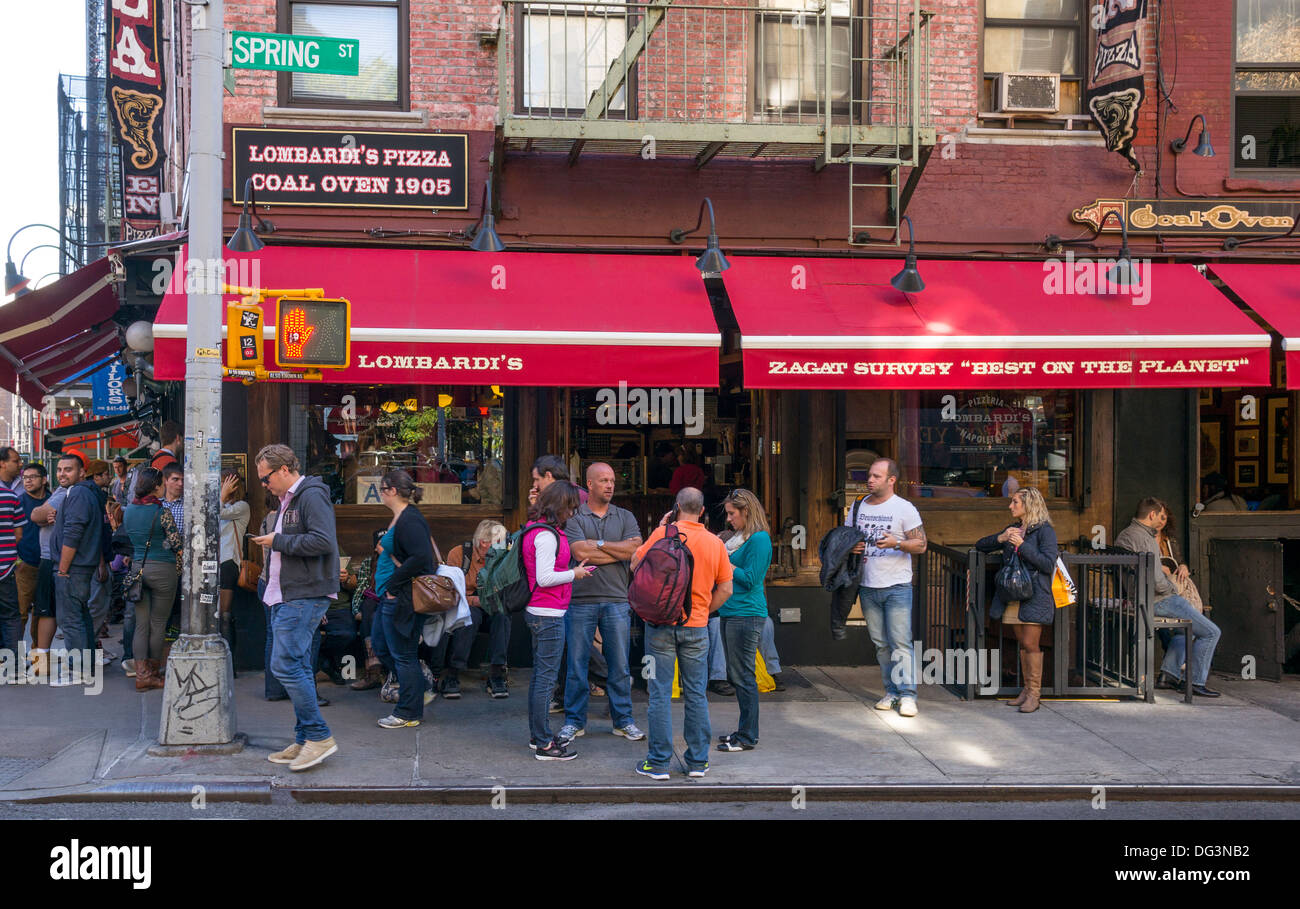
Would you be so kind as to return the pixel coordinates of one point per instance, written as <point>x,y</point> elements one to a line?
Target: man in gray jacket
<point>1140,536</point>
<point>76,546</point>
<point>302,580</point>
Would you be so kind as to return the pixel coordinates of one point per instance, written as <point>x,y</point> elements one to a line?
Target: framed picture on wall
<point>1247,475</point>
<point>1278,445</point>
<point>1210,457</point>
<point>1206,398</point>
<point>1247,443</point>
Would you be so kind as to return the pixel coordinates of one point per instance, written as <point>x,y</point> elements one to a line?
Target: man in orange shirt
<point>686,645</point>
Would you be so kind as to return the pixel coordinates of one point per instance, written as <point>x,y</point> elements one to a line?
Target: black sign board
<point>352,168</point>
<point>1193,217</point>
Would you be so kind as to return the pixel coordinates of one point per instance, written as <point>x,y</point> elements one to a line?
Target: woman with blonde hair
<point>470,556</point>
<point>745,612</point>
<point>1033,538</point>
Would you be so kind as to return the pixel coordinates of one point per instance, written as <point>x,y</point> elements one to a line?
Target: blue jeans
<point>128,633</point>
<point>1205,637</point>
<point>888,611</point>
<point>767,647</point>
<point>295,624</point>
<point>72,609</point>
<point>717,653</point>
<point>740,635</point>
<point>498,640</point>
<point>548,645</point>
<point>580,624</point>
<point>273,688</point>
<point>689,649</point>
<point>400,655</point>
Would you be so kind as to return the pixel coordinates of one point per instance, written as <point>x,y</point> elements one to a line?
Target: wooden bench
<point>1173,624</point>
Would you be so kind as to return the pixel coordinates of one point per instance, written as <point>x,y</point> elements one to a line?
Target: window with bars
<point>381,27</point>
<point>1042,36</point>
<point>1266,85</point>
<point>565,54</point>
<point>790,58</point>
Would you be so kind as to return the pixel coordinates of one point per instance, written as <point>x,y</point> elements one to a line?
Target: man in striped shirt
<point>11,519</point>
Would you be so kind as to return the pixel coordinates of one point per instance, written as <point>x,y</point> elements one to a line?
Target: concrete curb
<point>262,792</point>
<point>156,792</point>
<point>478,795</point>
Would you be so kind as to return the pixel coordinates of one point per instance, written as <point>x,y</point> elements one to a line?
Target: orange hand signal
<point>296,332</point>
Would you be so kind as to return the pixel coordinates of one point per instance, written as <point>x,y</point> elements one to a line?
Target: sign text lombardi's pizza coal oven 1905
<point>352,168</point>
<point>312,333</point>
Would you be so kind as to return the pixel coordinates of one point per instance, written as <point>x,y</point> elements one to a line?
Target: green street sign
<point>295,53</point>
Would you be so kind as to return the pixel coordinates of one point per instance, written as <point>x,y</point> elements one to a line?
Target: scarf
<point>735,541</point>
<point>150,499</point>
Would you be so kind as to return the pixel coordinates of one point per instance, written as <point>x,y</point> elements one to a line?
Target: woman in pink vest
<point>546,552</point>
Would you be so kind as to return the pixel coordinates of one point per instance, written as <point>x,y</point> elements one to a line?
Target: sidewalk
<point>59,743</point>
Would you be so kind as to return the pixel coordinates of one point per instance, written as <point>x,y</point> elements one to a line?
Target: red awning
<point>58,331</point>
<point>837,323</point>
<point>458,317</point>
<point>1272,292</point>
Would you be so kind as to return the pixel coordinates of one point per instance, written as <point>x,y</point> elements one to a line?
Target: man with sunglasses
<point>302,580</point>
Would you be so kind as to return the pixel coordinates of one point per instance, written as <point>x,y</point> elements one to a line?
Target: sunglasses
<point>265,478</point>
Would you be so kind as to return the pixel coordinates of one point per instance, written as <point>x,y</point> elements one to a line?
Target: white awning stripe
<point>59,313</point>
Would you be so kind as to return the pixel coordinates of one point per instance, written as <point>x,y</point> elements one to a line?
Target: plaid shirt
<point>177,509</point>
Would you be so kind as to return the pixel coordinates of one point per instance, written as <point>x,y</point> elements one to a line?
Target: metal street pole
<point>198,698</point>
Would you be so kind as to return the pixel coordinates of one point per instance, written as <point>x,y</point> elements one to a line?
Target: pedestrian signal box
<point>313,333</point>
<point>243,336</point>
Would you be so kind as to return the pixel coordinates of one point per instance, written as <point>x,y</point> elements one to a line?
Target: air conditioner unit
<point>1030,93</point>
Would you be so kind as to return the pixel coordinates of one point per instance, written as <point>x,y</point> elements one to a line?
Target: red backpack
<point>660,592</point>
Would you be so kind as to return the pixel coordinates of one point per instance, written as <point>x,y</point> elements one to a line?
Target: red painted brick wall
<point>971,196</point>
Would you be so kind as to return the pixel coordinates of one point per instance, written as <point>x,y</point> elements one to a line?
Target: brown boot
<point>1033,681</point>
<point>1024,685</point>
<point>373,678</point>
<point>146,675</point>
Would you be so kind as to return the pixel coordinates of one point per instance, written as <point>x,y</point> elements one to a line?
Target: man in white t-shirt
<point>894,533</point>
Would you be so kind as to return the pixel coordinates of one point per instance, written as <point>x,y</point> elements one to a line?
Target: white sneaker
<point>885,703</point>
<point>907,707</point>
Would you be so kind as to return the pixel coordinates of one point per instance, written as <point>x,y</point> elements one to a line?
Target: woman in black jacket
<point>1034,539</point>
<point>395,632</point>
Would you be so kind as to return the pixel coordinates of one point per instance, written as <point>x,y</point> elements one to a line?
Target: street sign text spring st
<point>295,53</point>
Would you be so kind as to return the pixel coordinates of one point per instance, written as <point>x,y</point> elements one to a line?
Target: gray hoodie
<point>307,543</point>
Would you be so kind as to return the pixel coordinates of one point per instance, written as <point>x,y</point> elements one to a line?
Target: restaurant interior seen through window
<point>451,439</point>
<point>961,445</point>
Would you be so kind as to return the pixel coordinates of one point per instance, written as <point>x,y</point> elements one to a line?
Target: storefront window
<point>985,444</point>
<point>1245,450</point>
<point>451,440</point>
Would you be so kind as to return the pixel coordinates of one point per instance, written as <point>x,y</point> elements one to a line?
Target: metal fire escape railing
<point>830,81</point>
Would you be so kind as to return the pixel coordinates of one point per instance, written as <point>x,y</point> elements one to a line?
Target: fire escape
<point>828,81</point>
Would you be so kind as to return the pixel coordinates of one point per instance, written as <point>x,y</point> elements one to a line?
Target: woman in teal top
<point>745,613</point>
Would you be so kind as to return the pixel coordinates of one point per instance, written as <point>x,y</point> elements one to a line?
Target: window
<point>566,54</point>
<point>450,438</point>
<point>1036,36</point>
<point>790,56</point>
<point>988,443</point>
<point>1245,450</point>
<point>381,27</point>
<point>1266,85</point>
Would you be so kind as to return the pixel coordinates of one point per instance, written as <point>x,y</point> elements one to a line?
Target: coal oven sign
<point>352,168</point>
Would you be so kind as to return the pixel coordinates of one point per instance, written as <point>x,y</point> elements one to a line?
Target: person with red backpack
<point>678,634</point>
<point>545,549</point>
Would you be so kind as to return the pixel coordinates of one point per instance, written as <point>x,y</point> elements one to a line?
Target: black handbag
<point>1014,579</point>
<point>133,583</point>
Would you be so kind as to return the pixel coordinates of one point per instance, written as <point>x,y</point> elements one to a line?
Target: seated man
<point>1140,536</point>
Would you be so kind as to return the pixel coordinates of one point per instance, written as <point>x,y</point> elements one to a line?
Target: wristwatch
<point>898,545</point>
